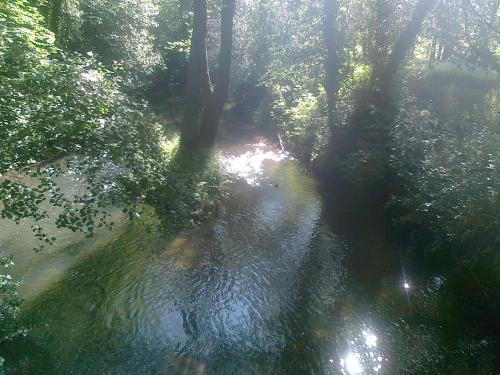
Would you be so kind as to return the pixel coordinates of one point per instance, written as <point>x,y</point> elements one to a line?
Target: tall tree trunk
<point>439,56</point>
<point>332,61</point>
<point>55,16</point>
<point>375,138</point>
<point>204,103</point>
<point>215,104</point>
<point>369,131</point>
<point>198,75</point>
<point>404,44</point>
<point>432,52</point>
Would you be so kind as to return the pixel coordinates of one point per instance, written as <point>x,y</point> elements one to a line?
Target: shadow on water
<point>432,313</point>
<point>264,286</point>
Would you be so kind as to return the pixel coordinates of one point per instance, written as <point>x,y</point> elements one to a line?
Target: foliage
<point>67,115</point>
<point>279,47</point>
<point>191,189</point>
<point>172,41</point>
<point>10,305</point>
<point>23,35</point>
<point>449,166</point>
<point>120,31</point>
<point>445,204</point>
<point>149,39</point>
<point>56,105</point>
<point>463,32</point>
<point>303,125</point>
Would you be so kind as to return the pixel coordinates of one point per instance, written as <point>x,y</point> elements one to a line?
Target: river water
<point>262,287</point>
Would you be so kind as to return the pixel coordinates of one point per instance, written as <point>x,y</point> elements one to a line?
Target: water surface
<point>263,287</point>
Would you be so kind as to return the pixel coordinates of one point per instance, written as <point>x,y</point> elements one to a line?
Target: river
<point>265,286</point>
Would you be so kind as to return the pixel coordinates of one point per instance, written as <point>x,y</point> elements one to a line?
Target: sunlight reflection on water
<point>249,166</point>
<point>363,356</point>
<point>352,364</point>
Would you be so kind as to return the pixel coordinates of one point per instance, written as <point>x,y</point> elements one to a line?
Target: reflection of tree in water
<point>309,320</point>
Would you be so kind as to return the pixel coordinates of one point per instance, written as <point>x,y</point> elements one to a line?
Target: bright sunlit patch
<point>370,339</point>
<point>91,75</point>
<point>406,285</point>
<point>249,166</point>
<point>363,354</point>
<point>352,364</point>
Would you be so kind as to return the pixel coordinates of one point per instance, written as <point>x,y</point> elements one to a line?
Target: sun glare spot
<point>250,165</point>
<point>351,364</point>
<point>370,339</point>
<point>363,355</point>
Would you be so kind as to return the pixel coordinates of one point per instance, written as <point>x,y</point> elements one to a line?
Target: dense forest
<point>391,106</point>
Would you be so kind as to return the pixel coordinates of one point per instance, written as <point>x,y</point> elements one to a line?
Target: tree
<point>361,151</point>
<point>380,82</point>
<point>55,16</point>
<point>198,80</point>
<point>204,102</point>
<point>332,61</point>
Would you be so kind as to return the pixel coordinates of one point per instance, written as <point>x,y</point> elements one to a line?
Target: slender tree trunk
<point>204,103</point>
<point>332,61</point>
<point>378,140</point>
<point>198,76</point>
<point>404,44</point>
<point>440,52</point>
<point>215,103</point>
<point>432,53</point>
